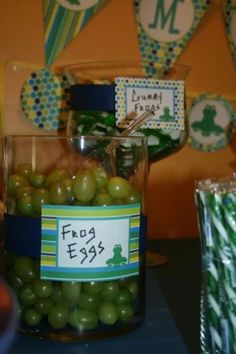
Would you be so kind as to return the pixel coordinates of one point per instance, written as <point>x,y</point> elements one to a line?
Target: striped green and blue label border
<point>52,215</point>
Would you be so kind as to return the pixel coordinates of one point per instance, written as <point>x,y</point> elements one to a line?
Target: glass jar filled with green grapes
<point>74,223</point>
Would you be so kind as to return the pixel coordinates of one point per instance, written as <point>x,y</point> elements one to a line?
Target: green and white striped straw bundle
<point>216,210</point>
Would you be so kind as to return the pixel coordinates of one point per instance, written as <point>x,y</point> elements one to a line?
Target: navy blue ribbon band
<point>23,235</point>
<point>92,97</point>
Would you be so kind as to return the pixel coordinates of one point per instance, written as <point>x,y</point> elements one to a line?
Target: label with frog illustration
<point>90,243</point>
<point>165,98</point>
<point>211,121</point>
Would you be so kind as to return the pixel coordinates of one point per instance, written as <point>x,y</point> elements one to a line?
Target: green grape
<point>123,282</point>
<point>56,176</point>
<point>79,203</point>
<point>43,306</point>
<point>100,176</point>
<point>134,197</point>
<point>56,295</point>
<point>123,297</point>
<point>40,196</point>
<point>83,319</point>
<point>107,313</point>
<point>14,281</point>
<point>36,179</point>
<point>24,206</point>
<point>31,317</point>
<point>89,301</point>
<point>57,192</point>
<point>125,313</point>
<point>24,169</point>
<point>118,187</point>
<point>92,287</point>
<point>101,190</point>
<point>133,288</point>
<point>103,199</point>
<point>24,191</point>
<point>15,181</point>
<point>58,316</point>
<point>27,296</point>
<point>24,269</point>
<point>69,194</point>
<point>42,288</point>
<point>110,291</point>
<point>84,186</point>
<point>71,291</point>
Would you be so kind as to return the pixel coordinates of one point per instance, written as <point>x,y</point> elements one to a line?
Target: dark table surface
<point>172,321</point>
<point>179,281</point>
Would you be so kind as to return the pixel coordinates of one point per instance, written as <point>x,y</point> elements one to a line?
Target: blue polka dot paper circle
<point>45,100</point>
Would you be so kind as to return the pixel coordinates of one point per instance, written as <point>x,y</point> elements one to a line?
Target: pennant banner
<point>164,27</point>
<point>229,8</point>
<point>63,20</point>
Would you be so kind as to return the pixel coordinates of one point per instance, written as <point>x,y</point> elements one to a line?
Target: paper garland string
<point>164,27</point>
<point>63,20</point>
<point>211,121</point>
<point>229,8</point>
<point>45,100</point>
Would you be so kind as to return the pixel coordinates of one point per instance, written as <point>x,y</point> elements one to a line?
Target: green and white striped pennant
<point>63,20</point>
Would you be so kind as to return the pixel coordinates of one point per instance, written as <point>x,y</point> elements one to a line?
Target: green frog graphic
<point>166,116</point>
<point>207,124</point>
<point>117,258</point>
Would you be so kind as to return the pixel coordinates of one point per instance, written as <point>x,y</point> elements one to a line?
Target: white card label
<point>164,97</point>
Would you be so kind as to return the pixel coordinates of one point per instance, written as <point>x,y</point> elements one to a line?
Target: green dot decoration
<point>45,100</point>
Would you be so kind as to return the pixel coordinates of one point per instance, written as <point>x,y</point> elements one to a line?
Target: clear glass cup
<point>100,119</point>
<point>74,234</point>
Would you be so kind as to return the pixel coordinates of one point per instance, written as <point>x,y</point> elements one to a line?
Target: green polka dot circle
<point>211,119</point>
<point>45,99</point>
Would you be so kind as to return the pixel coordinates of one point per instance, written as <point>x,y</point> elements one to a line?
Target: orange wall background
<point>111,35</point>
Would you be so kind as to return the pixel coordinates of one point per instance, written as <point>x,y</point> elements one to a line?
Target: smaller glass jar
<point>75,234</point>
<point>93,101</point>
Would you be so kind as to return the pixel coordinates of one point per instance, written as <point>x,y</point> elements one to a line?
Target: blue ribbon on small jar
<point>92,97</point>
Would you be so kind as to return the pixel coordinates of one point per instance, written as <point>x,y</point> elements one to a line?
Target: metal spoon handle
<point>135,125</point>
